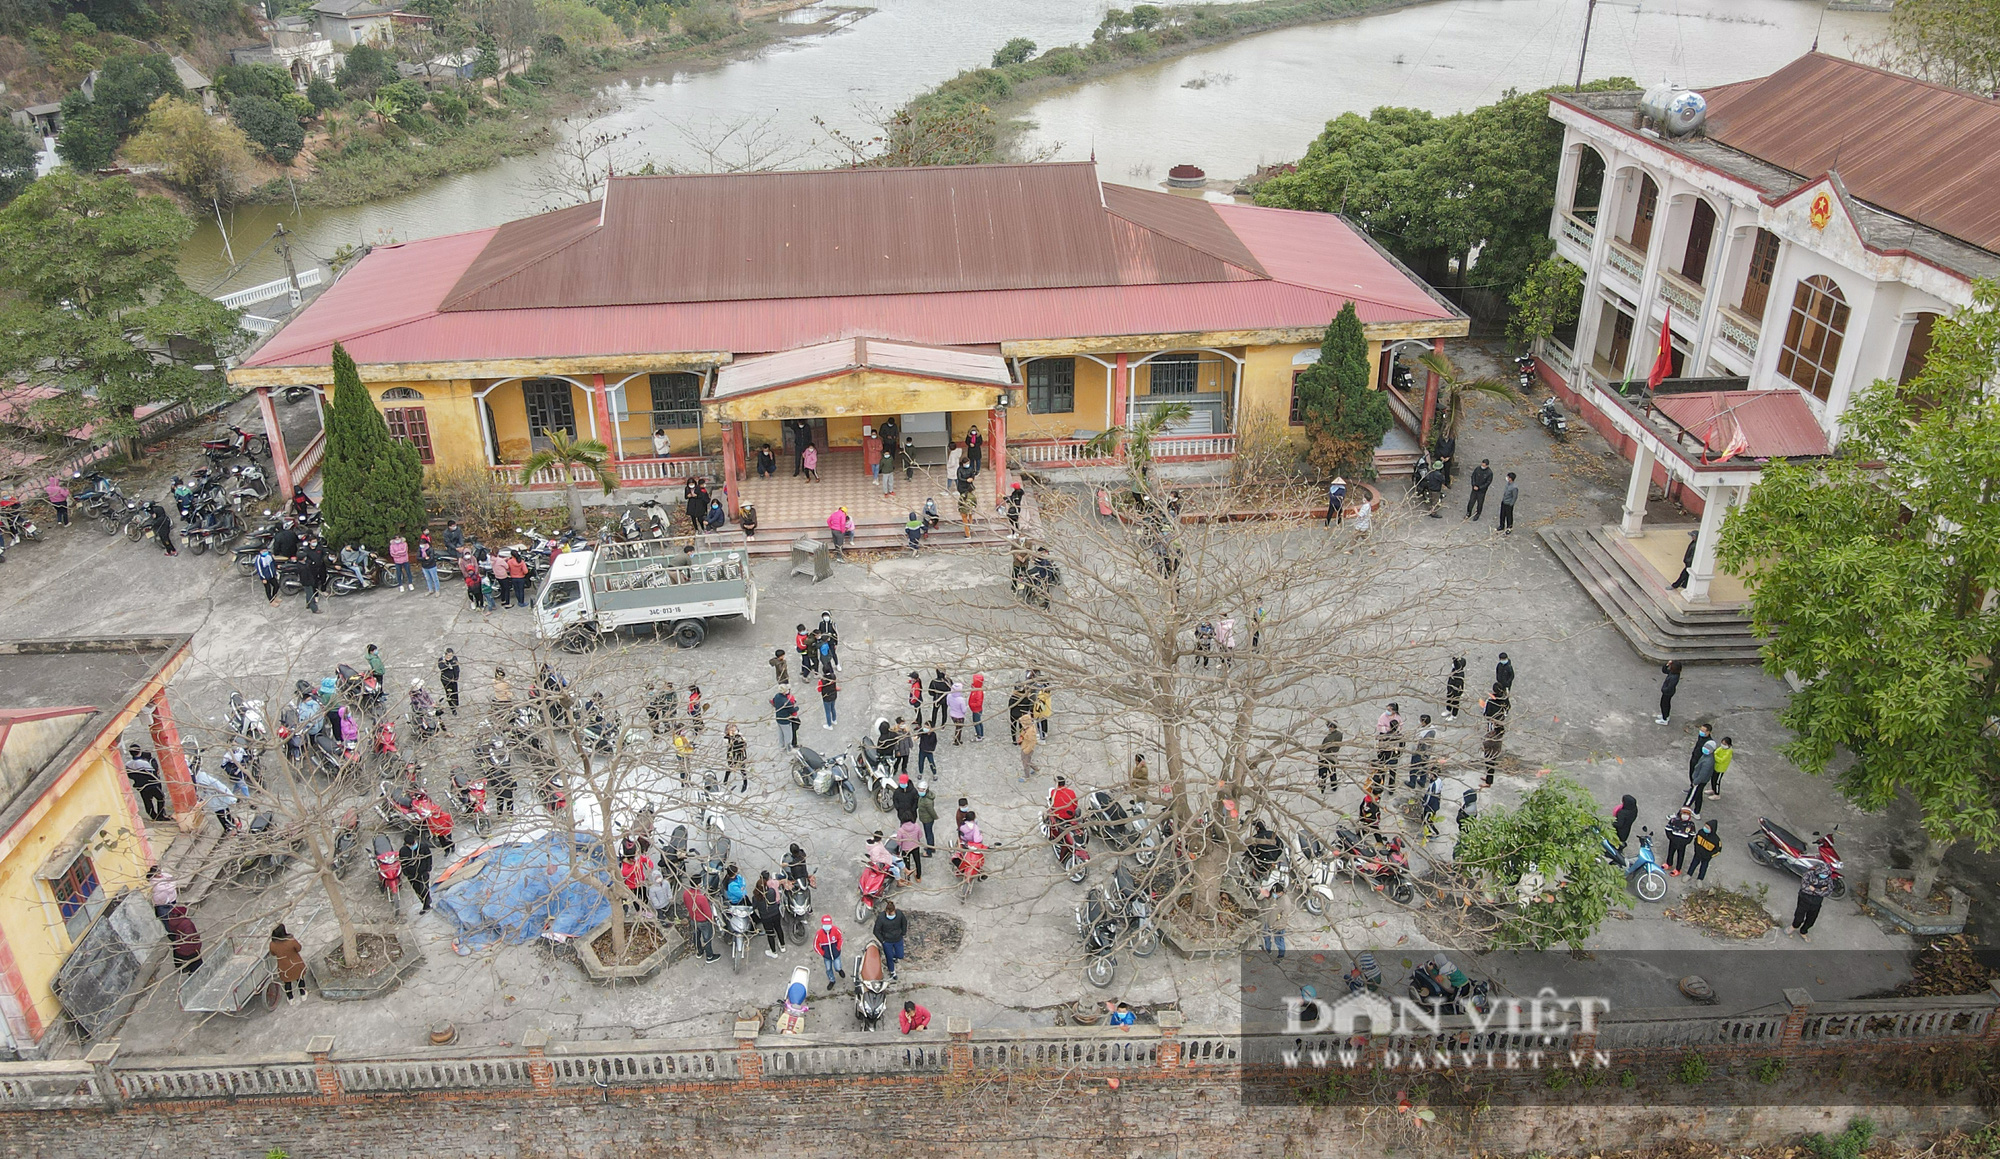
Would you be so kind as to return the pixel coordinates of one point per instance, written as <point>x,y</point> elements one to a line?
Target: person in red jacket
<point>702,913</point>
<point>827,945</point>
<point>975,703</point>
<point>1062,801</point>
<point>914,1017</point>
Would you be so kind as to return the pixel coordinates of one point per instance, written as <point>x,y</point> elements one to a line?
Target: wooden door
<point>1621,341</point>
<point>1701,232</point>
<point>1642,218</point>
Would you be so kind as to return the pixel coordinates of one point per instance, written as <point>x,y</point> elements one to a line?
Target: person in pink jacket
<point>399,554</point>
<point>842,526</point>
<point>809,459</point>
<point>58,499</point>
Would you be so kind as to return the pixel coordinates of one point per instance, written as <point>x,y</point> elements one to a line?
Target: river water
<point>1256,100</point>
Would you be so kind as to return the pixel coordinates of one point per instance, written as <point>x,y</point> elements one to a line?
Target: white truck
<point>590,594</point>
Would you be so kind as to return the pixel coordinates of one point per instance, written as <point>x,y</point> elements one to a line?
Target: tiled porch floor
<point>1664,546</point>
<point>785,501</point>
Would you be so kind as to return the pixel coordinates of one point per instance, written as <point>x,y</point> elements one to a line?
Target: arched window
<point>1701,233</point>
<point>1919,351</point>
<point>402,394</point>
<point>1589,191</point>
<point>1813,335</point>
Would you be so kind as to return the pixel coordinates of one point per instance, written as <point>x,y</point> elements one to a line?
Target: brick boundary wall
<point>1146,1090</point>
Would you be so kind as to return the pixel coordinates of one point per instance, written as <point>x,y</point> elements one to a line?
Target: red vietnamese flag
<point>1663,362</point>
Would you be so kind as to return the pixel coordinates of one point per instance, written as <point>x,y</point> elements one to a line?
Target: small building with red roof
<point>688,321</point>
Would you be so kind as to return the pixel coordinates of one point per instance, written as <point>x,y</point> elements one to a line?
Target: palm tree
<point>568,452</point>
<point>1138,439</point>
<point>384,108</point>
<point>1453,390</point>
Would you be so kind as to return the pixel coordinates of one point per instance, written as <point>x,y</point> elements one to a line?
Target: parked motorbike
<point>276,849</point>
<point>140,519</point>
<point>715,870</point>
<point>871,986</point>
<point>211,528</point>
<point>969,864</point>
<point>343,582</point>
<point>1443,986</point>
<point>1524,371</point>
<point>1314,867</point>
<point>798,909</point>
<point>877,778</point>
<point>740,921</point>
<point>793,1019</point>
<point>237,442</point>
<point>1122,826</point>
<point>1552,418</point>
<point>413,809</point>
<point>14,523</point>
<point>824,775</point>
<point>1643,873</point>
<point>1380,864</point>
<point>1136,899</point>
<point>875,883</point>
<point>388,871</point>
<point>469,790</point>
<point>361,689</point>
<point>1066,838</point>
<point>246,719</point>
<point>1780,848</point>
<point>1099,922</point>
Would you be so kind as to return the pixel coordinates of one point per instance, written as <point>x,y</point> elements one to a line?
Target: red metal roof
<point>1776,424</point>
<point>1916,149</point>
<point>742,236</point>
<point>1275,269</point>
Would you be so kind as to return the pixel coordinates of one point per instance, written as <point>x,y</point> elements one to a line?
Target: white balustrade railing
<point>1738,333</point>
<point>218,1078</point>
<point>105,1081</point>
<point>1626,261</point>
<point>641,471</point>
<point>417,1074</point>
<point>632,1064</point>
<point>1578,232</point>
<point>266,291</point>
<point>1684,296</point>
<point>1168,447</point>
<point>1054,452</point>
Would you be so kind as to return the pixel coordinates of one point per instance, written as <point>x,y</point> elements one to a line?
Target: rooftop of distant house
<point>58,695</point>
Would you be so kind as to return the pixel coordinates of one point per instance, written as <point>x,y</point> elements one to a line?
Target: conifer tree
<point>1345,415</point>
<point>374,485</point>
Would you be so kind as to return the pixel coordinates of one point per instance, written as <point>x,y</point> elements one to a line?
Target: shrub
<point>1693,1070</point>
<point>485,509</point>
<point>706,22</point>
<point>321,93</point>
<point>1849,1144</point>
<point>1767,1072</point>
<point>1061,62</point>
<point>451,107</point>
<point>274,127</point>
<point>1628,1080</point>
<point>78,25</point>
<point>1015,51</point>
<point>263,80</point>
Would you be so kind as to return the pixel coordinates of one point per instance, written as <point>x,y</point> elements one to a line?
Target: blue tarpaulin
<point>522,890</point>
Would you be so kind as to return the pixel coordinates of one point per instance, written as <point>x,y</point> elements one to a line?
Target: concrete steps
<point>1657,625</point>
<point>777,539</point>
<point>191,857</point>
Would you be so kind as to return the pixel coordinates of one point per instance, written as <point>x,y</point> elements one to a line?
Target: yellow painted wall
<point>1093,393</point>
<point>1267,379</point>
<point>1214,374</point>
<point>449,413</point>
<point>28,911</point>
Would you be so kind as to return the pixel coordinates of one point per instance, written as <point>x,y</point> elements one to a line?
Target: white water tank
<point>1673,110</point>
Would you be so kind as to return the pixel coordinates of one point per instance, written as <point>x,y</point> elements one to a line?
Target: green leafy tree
<point>203,157</point>
<point>449,106</point>
<point>258,80</point>
<point>1344,415</point>
<point>1873,574</point>
<point>1549,841</point>
<point>567,452</point>
<point>87,141</point>
<point>95,305</point>
<point>1014,51</point>
<point>373,484</point>
<point>1145,16</point>
<point>366,69</point>
<point>128,87</point>
<point>321,93</point>
<point>1438,189</point>
<point>273,126</point>
<point>17,161</point>
<point>1951,42</point>
<point>1546,300</point>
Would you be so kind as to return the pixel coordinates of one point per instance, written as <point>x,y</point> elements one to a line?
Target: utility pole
<point>291,271</point>
<point>1588,12</point>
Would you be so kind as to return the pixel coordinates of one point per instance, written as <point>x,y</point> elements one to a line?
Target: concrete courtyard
<point>1584,704</point>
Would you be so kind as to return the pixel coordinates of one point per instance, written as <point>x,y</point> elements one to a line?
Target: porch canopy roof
<point>1756,424</point>
<point>859,376</point>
